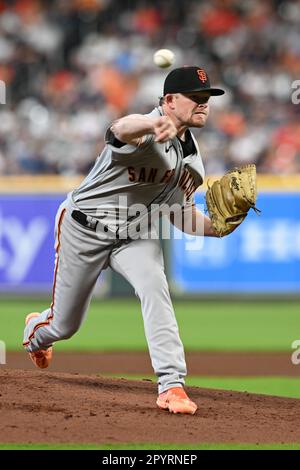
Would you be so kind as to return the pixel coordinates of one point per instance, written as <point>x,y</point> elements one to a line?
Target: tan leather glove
<point>230,198</point>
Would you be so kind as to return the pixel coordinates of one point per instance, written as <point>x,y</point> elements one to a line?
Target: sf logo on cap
<point>202,75</point>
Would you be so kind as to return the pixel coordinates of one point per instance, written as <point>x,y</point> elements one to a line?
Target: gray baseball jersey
<point>150,174</point>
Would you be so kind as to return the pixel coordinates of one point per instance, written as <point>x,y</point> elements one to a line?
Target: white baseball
<point>163,58</point>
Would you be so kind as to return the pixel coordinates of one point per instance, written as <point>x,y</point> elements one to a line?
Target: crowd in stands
<point>70,67</point>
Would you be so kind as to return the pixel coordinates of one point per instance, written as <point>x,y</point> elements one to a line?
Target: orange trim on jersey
<point>38,325</point>
<point>56,262</point>
<point>47,322</point>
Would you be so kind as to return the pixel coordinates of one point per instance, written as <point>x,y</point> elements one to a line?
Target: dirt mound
<point>38,406</point>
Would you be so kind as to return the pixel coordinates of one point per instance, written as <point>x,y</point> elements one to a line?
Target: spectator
<point>71,67</point>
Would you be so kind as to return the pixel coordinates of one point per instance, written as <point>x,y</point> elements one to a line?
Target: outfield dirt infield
<point>38,406</point>
<point>198,363</point>
<point>57,407</point>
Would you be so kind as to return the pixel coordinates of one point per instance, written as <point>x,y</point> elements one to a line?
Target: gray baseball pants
<point>81,255</point>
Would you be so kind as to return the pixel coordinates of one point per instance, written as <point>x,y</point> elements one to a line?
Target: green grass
<point>204,325</point>
<point>277,386</point>
<point>152,446</point>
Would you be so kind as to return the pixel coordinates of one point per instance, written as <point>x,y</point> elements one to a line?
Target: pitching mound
<point>38,406</point>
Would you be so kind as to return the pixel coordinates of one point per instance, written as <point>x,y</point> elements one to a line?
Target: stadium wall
<point>261,257</point>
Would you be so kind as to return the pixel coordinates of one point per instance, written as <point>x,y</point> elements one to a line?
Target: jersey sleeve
<point>119,150</point>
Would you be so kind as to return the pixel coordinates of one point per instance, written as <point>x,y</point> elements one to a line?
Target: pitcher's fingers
<point>162,137</point>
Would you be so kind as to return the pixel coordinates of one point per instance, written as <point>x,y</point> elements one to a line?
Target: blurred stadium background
<point>70,68</point>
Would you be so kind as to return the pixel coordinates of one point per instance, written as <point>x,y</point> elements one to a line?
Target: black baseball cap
<point>188,79</point>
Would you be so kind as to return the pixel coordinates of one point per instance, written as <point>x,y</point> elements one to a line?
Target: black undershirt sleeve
<point>117,143</point>
<point>188,146</point>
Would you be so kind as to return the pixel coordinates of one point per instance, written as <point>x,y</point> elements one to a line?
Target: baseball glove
<point>230,198</point>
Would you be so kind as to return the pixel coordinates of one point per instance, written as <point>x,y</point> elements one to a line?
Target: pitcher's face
<point>191,109</point>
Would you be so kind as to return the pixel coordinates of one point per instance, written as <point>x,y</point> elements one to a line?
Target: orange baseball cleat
<point>176,401</point>
<point>41,358</point>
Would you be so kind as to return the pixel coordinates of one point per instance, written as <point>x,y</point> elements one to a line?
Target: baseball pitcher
<point>149,163</point>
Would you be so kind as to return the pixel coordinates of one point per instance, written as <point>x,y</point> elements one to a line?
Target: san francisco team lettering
<point>187,184</point>
<point>154,175</point>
